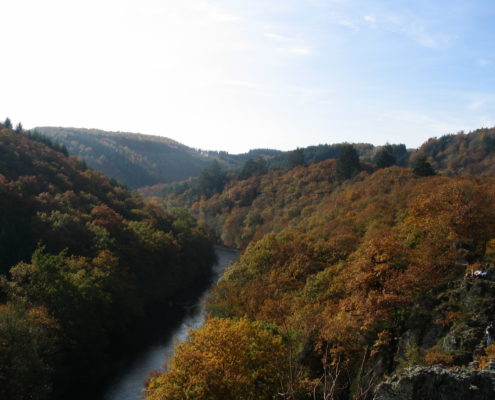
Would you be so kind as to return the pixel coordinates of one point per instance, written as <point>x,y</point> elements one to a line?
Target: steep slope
<point>142,160</point>
<point>80,259</point>
<point>361,277</point>
<point>134,159</point>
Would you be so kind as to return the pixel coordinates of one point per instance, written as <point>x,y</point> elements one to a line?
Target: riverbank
<point>156,337</point>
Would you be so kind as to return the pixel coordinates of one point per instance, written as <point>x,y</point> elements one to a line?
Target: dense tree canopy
<point>224,360</point>
<point>353,268</point>
<point>80,258</point>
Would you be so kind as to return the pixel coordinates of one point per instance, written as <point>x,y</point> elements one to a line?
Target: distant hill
<point>462,153</point>
<point>135,159</point>
<point>143,160</point>
<point>147,161</point>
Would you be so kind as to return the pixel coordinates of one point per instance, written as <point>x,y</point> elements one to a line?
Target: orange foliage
<point>354,266</point>
<point>223,360</point>
<point>436,356</point>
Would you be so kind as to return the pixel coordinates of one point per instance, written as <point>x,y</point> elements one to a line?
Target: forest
<point>351,271</point>
<point>138,160</point>
<point>81,259</point>
<point>357,262</point>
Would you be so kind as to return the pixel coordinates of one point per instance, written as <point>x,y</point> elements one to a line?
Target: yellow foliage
<point>223,360</point>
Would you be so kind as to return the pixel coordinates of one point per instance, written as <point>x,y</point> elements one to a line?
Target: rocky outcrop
<point>439,383</point>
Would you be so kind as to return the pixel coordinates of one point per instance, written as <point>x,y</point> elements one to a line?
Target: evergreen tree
<point>422,167</point>
<point>212,180</point>
<point>248,169</point>
<point>400,153</point>
<point>348,164</point>
<point>252,167</point>
<point>18,128</point>
<point>7,123</point>
<point>385,157</point>
<point>296,158</point>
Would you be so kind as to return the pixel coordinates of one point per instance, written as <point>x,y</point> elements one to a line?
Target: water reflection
<point>130,384</point>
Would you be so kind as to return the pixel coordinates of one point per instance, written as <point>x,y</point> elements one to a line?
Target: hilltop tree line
<point>233,203</point>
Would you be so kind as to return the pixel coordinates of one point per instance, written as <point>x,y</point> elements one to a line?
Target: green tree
<point>7,123</point>
<point>28,343</point>
<point>348,164</point>
<point>252,167</point>
<point>212,180</point>
<point>385,157</point>
<point>422,167</point>
<point>296,158</point>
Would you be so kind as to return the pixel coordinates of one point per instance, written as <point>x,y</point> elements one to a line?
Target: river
<point>129,384</point>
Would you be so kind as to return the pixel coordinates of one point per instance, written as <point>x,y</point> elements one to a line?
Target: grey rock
<point>438,383</point>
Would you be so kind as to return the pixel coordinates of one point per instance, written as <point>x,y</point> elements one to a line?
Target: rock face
<point>439,383</point>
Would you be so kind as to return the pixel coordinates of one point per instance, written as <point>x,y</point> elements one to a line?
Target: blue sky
<point>240,74</point>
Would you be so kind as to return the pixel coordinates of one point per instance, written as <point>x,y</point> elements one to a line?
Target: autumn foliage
<point>345,263</point>
<point>81,258</point>
<point>225,360</point>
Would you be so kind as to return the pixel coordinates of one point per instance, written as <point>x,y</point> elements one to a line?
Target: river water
<point>129,384</point>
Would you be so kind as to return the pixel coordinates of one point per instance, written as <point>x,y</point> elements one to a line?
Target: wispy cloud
<point>476,105</point>
<point>371,20</point>
<point>416,28</point>
<point>484,62</point>
<point>300,51</point>
<point>213,11</point>
<point>307,95</point>
<point>348,23</point>
<point>480,101</point>
<point>279,38</point>
<point>289,44</point>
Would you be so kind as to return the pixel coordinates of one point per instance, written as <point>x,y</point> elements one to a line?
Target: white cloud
<point>371,20</point>
<point>300,51</point>
<point>279,38</point>
<point>476,105</point>
<point>347,23</point>
<point>419,31</point>
<point>483,62</point>
<point>212,11</point>
<point>292,45</point>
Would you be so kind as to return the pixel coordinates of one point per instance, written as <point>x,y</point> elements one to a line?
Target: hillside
<point>81,258</point>
<point>137,160</point>
<point>142,160</point>
<point>462,153</point>
<point>349,280</point>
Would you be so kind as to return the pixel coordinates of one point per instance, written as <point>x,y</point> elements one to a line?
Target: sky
<point>241,74</point>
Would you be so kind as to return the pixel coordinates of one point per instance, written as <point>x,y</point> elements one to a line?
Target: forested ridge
<point>141,160</point>
<point>351,271</point>
<point>81,258</point>
<point>472,153</point>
